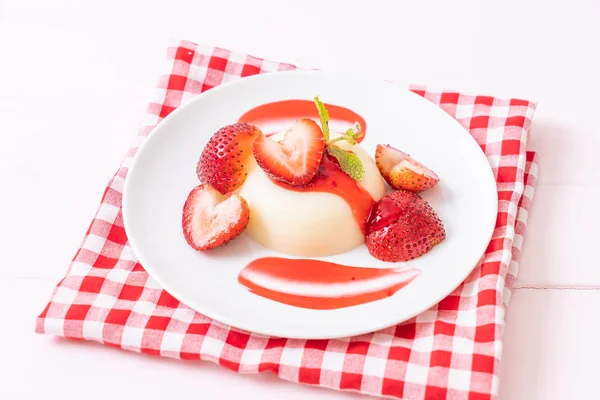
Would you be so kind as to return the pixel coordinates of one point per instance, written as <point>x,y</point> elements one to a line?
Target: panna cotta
<point>308,192</point>
<point>325,217</point>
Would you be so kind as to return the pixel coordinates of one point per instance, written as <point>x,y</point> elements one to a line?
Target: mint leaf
<point>324,116</point>
<point>349,162</point>
<point>350,136</point>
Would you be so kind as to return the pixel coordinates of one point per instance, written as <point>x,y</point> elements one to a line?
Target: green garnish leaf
<point>324,116</point>
<point>349,162</point>
<point>350,136</point>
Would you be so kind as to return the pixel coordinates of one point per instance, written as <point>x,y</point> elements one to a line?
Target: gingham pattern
<point>450,351</point>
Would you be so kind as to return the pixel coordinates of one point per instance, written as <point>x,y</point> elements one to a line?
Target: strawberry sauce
<point>331,179</point>
<point>321,285</point>
<point>383,213</point>
<point>315,284</point>
<point>278,116</point>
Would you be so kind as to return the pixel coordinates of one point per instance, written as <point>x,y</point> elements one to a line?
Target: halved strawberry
<point>401,171</point>
<point>210,219</point>
<point>402,226</point>
<point>296,158</point>
<point>223,161</point>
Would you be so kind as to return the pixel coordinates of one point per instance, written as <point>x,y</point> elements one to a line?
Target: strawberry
<point>401,171</point>
<point>296,158</point>
<point>223,161</point>
<point>211,219</point>
<point>402,226</point>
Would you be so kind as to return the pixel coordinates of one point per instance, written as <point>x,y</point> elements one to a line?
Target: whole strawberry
<point>402,226</point>
<point>222,164</point>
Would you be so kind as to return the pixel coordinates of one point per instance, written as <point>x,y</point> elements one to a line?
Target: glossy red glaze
<point>321,285</point>
<point>383,213</point>
<point>331,179</point>
<point>288,111</point>
<point>318,284</point>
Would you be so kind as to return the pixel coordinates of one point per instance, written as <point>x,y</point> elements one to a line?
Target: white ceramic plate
<point>164,172</point>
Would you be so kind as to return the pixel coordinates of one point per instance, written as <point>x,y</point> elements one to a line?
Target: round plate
<point>164,171</point>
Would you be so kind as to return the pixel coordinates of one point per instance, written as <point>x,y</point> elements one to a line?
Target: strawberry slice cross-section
<point>211,219</point>
<point>401,171</point>
<point>296,158</point>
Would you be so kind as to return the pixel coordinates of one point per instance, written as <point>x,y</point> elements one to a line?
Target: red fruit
<point>402,226</point>
<point>401,171</point>
<point>210,219</point>
<point>222,164</point>
<point>296,158</point>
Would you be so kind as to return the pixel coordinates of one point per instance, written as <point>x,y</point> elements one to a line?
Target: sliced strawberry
<point>401,171</point>
<point>223,161</point>
<point>296,158</point>
<point>210,219</point>
<point>402,226</point>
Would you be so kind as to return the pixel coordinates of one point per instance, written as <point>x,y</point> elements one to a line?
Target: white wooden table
<point>74,81</point>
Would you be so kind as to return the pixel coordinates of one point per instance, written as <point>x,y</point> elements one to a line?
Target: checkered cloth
<point>452,350</point>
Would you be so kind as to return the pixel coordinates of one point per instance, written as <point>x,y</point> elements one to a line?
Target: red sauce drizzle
<point>330,178</point>
<point>321,285</point>
<point>286,112</point>
<point>318,284</point>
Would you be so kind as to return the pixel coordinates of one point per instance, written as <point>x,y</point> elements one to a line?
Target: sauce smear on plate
<point>321,285</point>
<point>284,113</point>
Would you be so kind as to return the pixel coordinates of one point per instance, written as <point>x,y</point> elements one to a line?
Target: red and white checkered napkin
<point>452,350</point>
